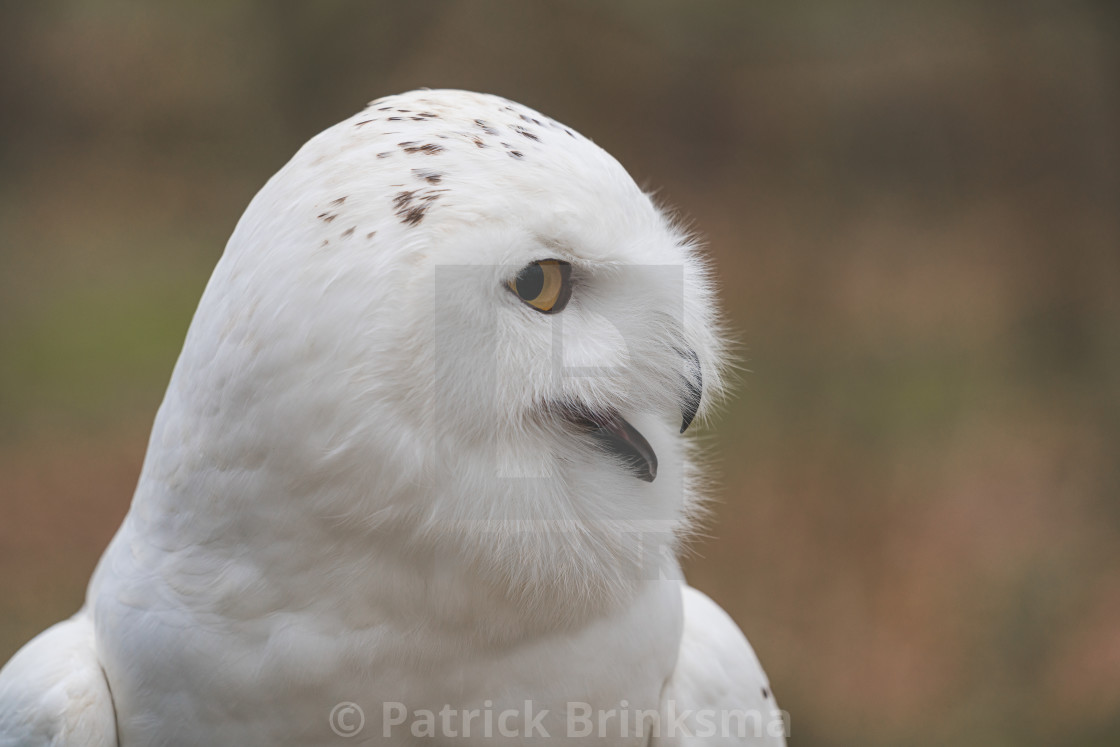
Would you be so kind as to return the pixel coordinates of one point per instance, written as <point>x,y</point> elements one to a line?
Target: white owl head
<point>455,324</point>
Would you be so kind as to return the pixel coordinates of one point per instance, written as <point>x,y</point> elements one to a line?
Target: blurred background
<point>915,212</point>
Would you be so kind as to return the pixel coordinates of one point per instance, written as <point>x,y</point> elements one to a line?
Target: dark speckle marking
<point>411,205</point>
<point>364,122</point>
<point>371,234</point>
<point>478,141</point>
<point>385,154</point>
<point>429,149</point>
<point>512,152</point>
<point>413,215</point>
<point>407,143</point>
<point>325,243</point>
<point>396,119</point>
<point>765,693</point>
<point>327,217</point>
<point>486,127</point>
<point>432,177</point>
<point>525,132</point>
<point>348,232</point>
<point>384,108</point>
<point>339,201</point>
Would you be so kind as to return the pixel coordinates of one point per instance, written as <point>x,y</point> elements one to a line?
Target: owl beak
<point>693,387</point>
<point>616,436</point>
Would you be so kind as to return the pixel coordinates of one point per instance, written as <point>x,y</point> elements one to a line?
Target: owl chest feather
<point>256,665</point>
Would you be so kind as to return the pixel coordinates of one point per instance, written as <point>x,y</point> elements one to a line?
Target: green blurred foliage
<point>913,210</point>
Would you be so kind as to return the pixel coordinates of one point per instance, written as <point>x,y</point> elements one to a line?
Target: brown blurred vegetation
<point>915,212</point>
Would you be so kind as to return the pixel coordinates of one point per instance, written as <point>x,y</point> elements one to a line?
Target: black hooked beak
<point>618,437</point>
<point>623,440</point>
<point>693,385</point>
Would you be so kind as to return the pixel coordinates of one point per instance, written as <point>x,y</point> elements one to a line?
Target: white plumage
<point>380,477</point>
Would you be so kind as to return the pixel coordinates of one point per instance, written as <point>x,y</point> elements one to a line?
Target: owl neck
<point>253,540</point>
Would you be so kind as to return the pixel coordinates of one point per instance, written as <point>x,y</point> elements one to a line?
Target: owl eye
<point>546,285</point>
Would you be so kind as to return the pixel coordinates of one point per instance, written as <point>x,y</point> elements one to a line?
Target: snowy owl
<point>419,472</point>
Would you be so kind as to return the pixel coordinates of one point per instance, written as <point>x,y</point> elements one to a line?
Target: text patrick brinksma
<point>578,720</point>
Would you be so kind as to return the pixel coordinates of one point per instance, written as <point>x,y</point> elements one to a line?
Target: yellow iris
<point>545,285</point>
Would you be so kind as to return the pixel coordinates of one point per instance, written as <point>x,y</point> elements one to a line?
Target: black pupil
<point>530,282</point>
